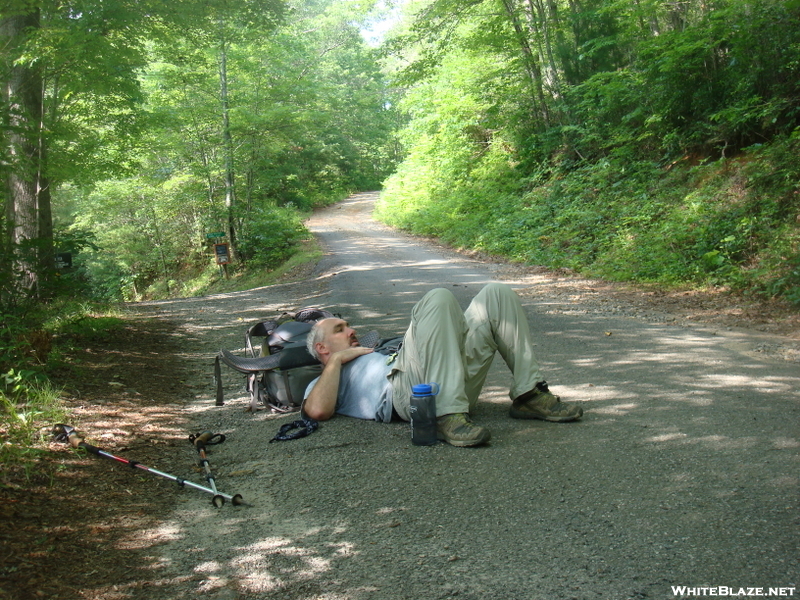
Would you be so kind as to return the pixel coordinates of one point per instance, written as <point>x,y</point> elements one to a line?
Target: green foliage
<point>618,138</point>
<point>26,415</point>
<point>91,328</point>
<point>145,154</point>
<point>210,281</point>
<point>730,223</point>
<point>272,236</point>
<point>19,360</point>
<point>32,343</point>
<point>644,141</point>
<point>308,120</point>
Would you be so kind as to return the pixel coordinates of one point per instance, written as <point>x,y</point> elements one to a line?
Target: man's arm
<point>321,402</point>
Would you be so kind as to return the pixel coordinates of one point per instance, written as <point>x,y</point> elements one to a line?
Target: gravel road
<point>683,471</point>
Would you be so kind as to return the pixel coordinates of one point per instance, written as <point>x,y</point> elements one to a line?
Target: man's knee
<point>436,301</point>
<point>498,290</point>
<point>494,301</point>
<point>439,296</point>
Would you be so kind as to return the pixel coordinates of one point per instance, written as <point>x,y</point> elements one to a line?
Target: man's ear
<point>322,350</point>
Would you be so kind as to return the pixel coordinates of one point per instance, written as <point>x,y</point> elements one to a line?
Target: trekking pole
<point>67,434</point>
<point>200,441</point>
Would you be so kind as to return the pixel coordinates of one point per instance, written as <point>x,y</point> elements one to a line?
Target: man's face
<point>338,335</point>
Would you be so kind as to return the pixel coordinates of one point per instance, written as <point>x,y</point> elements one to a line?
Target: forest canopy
<point>139,128</point>
<point>653,140</point>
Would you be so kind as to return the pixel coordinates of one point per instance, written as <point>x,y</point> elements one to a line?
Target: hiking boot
<point>457,430</point>
<point>539,403</point>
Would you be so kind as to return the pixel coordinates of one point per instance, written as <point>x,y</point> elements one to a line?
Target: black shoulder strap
<point>249,365</point>
<point>389,345</point>
<point>218,382</point>
<point>304,427</point>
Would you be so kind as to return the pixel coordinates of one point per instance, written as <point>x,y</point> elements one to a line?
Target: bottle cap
<point>424,389</point>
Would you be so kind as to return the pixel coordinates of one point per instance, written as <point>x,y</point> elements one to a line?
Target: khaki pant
<point>455,350</point>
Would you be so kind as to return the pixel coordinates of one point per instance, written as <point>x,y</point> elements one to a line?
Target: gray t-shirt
<point>365,392</point>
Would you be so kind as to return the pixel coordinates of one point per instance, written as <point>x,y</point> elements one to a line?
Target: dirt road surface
<point>683,471</point>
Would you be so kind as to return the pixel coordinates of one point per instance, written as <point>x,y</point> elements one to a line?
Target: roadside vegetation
<point>730,223</point>
<point>35,345</point>
<point>654,142</point>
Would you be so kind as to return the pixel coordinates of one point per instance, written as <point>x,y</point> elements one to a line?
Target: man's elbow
<point>317,413</point>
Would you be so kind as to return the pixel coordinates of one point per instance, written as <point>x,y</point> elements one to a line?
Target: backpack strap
<point>254,387</point>
<point>262,329</point>
<point>304,426</point>
<point>389,346</point>
<point>249,365</point>
<point>218,382</point>
<point>370,339</point>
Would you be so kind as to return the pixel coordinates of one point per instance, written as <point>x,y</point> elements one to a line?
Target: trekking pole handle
<point>207,438</point>
<point>68,435</point>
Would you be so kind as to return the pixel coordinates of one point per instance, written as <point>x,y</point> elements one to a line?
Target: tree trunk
<point>230,179</point>
<point>532,67</point>
<point>539,21</point>
<point>27,194</point>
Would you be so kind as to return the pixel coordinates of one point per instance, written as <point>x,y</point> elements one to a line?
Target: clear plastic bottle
<point>423,414</point>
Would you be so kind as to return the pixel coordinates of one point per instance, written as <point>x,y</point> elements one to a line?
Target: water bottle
<point>423,414</point>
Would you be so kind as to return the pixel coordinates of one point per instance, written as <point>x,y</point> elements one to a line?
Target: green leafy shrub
<point>27,409</point>
<point>271,235</point>
<point>728,223</point>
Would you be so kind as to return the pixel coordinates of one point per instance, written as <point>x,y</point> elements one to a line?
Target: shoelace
<point>542,388</point>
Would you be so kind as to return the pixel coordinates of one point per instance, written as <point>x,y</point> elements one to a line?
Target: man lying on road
<point>442,345</point>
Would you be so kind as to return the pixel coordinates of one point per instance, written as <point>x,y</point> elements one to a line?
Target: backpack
<point>279,373</point>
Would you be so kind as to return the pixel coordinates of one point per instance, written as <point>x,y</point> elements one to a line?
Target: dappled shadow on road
<point>682,471</point>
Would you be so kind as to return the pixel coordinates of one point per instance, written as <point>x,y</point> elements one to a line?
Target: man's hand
<point>345,356</point>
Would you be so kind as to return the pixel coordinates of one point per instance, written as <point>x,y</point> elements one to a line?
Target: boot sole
<point>514,414</point>
<point>466,443</point>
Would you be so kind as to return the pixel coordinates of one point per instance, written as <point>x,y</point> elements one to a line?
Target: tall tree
<point>308,120</point>
<point>28,213</point>
<point>69,92</point>
<point>232,22</point>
